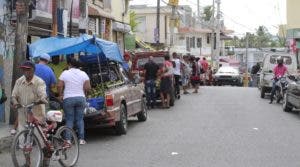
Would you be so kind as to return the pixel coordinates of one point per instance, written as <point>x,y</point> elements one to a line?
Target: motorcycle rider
<point>279,70</point>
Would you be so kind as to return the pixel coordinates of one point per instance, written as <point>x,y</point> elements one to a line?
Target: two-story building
<point>293,27</point>
<point>109,20</point>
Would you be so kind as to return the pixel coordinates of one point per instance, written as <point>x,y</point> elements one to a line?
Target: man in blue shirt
<point>43,71</point>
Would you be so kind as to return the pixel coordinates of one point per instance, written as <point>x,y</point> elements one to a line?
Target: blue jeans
<point>150,89</point>
<point>273,89</point>
<point>73,108</point>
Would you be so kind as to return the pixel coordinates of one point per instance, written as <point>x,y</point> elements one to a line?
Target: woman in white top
<point>73,86</point>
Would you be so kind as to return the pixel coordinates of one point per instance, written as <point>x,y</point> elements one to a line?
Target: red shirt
<point>204,65</point>
<point>279,70</point>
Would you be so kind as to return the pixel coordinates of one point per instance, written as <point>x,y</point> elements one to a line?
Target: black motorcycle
<point>281,87</point>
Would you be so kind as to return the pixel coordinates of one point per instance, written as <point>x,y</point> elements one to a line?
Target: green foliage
<point>207,13</point>
<point>260,39</point>
<point>133,21</point>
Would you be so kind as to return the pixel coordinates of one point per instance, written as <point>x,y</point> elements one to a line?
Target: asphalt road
<point>219,127</point>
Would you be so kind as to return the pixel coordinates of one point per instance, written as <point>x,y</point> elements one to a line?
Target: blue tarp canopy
<point>85,43</point>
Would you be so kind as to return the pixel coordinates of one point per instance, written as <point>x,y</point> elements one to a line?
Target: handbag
<point>3,97</point>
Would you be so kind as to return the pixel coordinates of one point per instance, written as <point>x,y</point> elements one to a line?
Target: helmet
<point>280,60</point>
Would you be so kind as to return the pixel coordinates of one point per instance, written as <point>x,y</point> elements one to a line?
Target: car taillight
<point>109,100</point>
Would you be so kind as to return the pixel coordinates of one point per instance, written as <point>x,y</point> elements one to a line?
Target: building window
<point>141,27</point>
<point>192,42</point>
<point>207,38</point>
<point>187,44</point>
<point>199,42</point>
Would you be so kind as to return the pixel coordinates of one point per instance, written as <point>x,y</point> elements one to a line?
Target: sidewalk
<point>5,137</point>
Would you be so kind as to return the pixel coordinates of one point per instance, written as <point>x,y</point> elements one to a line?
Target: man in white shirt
<point>177,73</point>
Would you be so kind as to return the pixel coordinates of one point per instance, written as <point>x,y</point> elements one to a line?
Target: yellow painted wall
<point>293,14</point>
<point>117,8</point>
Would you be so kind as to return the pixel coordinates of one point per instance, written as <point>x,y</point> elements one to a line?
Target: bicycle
<point>59,145</point>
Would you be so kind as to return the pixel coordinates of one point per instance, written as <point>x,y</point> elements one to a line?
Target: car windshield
<point>158,60</point>
<point>286,59</point>
<point>229,70</point>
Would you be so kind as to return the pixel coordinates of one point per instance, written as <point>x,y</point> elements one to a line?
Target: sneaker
<point>82,142</point>
<point>13,132</point>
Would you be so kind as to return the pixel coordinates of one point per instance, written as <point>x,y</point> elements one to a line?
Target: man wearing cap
<point>43,71</point>
<point>28,89</point>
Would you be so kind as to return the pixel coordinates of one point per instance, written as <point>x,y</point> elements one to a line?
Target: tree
<point>263,37</point>
<point>133,21</point>
<point>207,13</point>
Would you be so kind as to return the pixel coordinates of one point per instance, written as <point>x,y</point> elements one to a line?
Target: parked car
<point>116,97</point>
<point>292,95</point>
<point>269,62</point>
<point>227,76</point>
<point>137,68</point>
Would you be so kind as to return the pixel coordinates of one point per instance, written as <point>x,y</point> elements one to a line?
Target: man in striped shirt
<point>28,89</point>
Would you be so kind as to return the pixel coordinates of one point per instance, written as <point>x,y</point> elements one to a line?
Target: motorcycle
<point>281,87</point>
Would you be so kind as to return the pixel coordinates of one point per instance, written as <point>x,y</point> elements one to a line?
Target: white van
<point>269,62</point>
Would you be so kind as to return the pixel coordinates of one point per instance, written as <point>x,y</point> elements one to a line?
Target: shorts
<point>165,85</point>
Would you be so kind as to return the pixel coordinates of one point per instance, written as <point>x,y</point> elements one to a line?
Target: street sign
<point>173,2</point>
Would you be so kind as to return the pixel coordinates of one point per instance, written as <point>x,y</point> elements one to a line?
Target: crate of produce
<point>97,103</point>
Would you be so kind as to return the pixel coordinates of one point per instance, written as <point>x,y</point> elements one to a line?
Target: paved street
<point>220,127</point>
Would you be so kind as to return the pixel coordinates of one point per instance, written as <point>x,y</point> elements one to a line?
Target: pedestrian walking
<point>204,70</point>
<point>3,97</point>
<point>151,69</point>
<point>73,86</point>
<point>177,74</point>
<point>255,69</point>
<point>186,72</point>
<point>195,77</point>
<point>166,82</point>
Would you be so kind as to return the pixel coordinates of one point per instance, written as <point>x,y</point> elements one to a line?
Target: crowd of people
<point>185,72</point>
<point>38,84</point>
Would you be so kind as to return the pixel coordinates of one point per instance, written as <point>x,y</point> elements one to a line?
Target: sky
<point>241,15</point>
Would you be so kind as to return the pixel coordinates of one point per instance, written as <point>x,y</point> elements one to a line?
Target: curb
<point>5,143</point>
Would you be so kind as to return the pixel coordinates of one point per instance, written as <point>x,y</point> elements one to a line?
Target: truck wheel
<point>262,92</point>
<point>286,105</point>
<point>142,115</point>
<point>121,126</point>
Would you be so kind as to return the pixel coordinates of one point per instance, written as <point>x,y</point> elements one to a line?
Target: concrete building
<point>109,20</point>
<point>120,25</point>
<point>293,27</point>
<point>100,19</point>
<point>146,17</point>
<point>187,39</point>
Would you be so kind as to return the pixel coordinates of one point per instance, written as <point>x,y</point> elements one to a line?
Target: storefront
<point>119,31</point>
<point>293,43</point>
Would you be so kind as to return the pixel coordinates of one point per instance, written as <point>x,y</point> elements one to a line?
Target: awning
<point>121,27</point>
<point>85,43</point>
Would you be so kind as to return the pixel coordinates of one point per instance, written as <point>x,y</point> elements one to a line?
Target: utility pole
<point>172,26</point>
<point>218,46</point>
<point>212,20</point>
<point>22,11</point>
<point>71,19</point>
<point>246,80</point>
<point>198,9</point>
<point>157,33</point>
<point>54,17</point>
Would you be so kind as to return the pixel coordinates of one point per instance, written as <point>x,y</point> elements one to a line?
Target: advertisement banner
<point>46,6</point>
